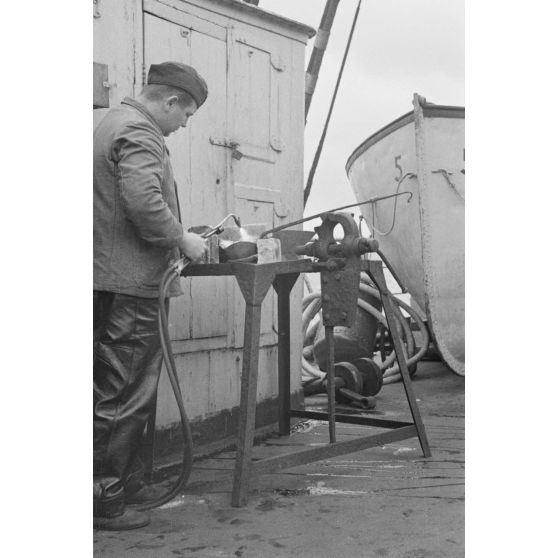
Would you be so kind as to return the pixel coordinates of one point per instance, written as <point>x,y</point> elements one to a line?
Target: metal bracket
<point>276,144</point>
<point>223,142</point>
<point>277,62</point>
<point>447,175</point>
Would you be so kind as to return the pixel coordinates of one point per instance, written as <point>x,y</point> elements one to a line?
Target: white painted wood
<point>254,65</point>
<point>231,12</point>
<point>117,43</point>
<point>197,165</point>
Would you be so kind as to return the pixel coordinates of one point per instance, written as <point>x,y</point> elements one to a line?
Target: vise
<point>339,266</point>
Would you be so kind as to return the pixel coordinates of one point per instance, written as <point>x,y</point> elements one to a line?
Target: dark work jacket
<point>136,228</point>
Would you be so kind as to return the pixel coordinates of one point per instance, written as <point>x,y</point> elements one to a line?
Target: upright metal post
<point>283,286</point>
<point>320,45</point>
<point>330,370</point>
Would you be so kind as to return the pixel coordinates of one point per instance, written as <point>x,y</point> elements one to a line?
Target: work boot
<point>130,519</point>
<point>109,511</point>
<point>142,493</point>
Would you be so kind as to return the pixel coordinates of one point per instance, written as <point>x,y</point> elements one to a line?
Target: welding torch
<point>205,232</point>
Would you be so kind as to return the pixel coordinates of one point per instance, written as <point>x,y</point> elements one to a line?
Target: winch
<point>340,265</point>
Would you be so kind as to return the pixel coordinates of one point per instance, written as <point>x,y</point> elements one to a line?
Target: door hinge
<point>277,62</point>
<point>96,12</point>
<point>276,143</point>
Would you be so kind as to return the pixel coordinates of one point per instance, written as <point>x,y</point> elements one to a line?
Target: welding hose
<point>188,455</point>
<point>312,305</point>
<point>390,374</point>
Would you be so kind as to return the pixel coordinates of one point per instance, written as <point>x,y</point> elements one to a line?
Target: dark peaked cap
<point>179,75</point>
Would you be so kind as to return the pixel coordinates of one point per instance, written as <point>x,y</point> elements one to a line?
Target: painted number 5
<point>398,166</point>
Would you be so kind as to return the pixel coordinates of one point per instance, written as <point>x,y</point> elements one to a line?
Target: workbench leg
<point>377,275</point>
<point>283,285</point>
<point>248,395</point>
<point>254,282</point>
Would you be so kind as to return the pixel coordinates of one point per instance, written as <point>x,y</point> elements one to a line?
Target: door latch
<point>229,144</point>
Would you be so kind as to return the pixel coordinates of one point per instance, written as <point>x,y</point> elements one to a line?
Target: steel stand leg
<point>375,271</point>
<point>283,285</point>
<point>254,284</point>
<point>330,370</point>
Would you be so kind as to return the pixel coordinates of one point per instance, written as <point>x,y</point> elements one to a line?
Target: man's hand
<point>193,246</point>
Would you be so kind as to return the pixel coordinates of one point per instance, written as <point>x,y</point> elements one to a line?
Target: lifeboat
<point>423,236</point>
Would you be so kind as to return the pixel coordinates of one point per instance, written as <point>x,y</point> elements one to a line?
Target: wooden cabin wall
<point>254,68</point>
<point>118,44</point>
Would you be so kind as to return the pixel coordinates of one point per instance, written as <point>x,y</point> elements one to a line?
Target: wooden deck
<point>385,501</point>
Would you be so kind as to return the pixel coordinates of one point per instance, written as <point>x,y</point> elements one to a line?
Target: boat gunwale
<point>430,110</point>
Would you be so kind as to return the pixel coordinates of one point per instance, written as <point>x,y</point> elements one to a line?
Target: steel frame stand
<point>254,281</point>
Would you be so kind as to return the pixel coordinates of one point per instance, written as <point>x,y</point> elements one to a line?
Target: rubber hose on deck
<point>188,456</point>
<point>311,305</point>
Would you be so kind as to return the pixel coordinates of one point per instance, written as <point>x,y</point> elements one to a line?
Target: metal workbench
<point>254,281</point>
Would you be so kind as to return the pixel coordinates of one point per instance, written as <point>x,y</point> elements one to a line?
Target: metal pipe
<point>235,218</point>
<point>330,372</point>
<point>320,45</point>
<point>371,200</point>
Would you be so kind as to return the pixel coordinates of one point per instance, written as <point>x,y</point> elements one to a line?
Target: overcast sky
<point>399,47</point>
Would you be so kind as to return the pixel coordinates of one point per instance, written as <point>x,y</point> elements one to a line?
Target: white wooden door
<point>256,85</point>
<point>201,318</point>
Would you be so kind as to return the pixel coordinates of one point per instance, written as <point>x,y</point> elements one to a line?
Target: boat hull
<point>423,153</point>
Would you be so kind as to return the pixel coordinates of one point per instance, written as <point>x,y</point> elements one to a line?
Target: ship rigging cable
<point>324,131</point>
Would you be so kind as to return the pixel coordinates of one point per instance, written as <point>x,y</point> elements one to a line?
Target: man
<point>137,232</point>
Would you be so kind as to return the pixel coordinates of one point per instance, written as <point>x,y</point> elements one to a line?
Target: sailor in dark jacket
<point>137,232</point>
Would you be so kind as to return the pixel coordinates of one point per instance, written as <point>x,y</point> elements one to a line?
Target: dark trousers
<point>127,360</point>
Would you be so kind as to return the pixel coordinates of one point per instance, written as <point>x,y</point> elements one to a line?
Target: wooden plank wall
<point>255,71</point>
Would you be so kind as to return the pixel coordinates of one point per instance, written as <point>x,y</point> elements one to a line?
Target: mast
<point>320,44</point>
